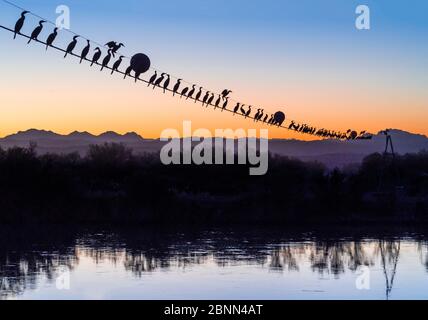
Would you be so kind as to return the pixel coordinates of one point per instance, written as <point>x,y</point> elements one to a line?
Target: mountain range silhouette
<point>332,153</point>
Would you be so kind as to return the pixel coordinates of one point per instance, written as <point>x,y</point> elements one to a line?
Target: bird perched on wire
<point>198,95</point>
<point>114,46</point>
<point>217,103</point>
<point>225,104</point>
<point>183,93</point>
<point>247,114</point>
<point>159,81</point>
<point>191,92</point>
<point>166,83</point>
<point>204,100</point>
<point>152,79</point>
<point>225,93</point>
<point>176,87</point>
<point>96,56</point>
<point>71,46</point>
<point>85,51</point>
<point>235,110</point>
<point>36,32</point>
<point>117,64</point>
<point>51,38</point>
<point>106,60</point>
<point>127,72</point>
<point>210,100</point>
<point>20,23</point>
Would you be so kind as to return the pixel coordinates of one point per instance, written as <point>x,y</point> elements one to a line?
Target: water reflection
<point>31,256</point>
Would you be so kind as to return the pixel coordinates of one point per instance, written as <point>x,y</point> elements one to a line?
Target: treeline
<point>111,184</point>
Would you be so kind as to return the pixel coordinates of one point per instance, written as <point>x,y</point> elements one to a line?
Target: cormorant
<point>262,111</point>
<point>166,83</point>
<point>204,100</point>
<point>191,92</point>
<point>117,64</point>
<point>152,79</point>
<point>106,59</point>
<point>271,119</point>
<point>20,23</point>
<point>176,87</point>
<point>36,31</point>
<point>210,100</point>
<point>217,103</point>
<point>85,51</point>
<point>198,95</point>
<point>184,92</point>
<point>266,117</point>
<point>51,38</point>
<point>243,110</point>
<point>257,115</point>
<point>128,72</point>
<point>235,110</point>
<point>159,81</point>
<point>225,104</point>
<point>248,112</point>
<point>96,56</point>
<point>72,45</point>
<point>225,93</point>
<point>114,47</point>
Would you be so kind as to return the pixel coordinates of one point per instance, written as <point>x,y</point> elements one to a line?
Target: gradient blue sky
<point>304,56</point>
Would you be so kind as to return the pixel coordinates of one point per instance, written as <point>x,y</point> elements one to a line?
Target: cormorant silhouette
<point>271,119</point>
<point>225,104</point>
<point>235,110</point>
<point>166,83</point>
<point>198,95</point>
<point>204,100</point>
<point>184,92</point>
<point>106,60</point>
<point>257,115</point>
<point>159,81</point>
<point>117,64</point>
<point>210,100</point>
<point>248,112</point>
<point>176,87</point>
<point>266,117</point>
<point>217,103</point>
<point>225,93</point>
<point>85,51</point>
<point>36,31</point>
<point>51,38</point>
<point>243,110</point>
<point>96,56</point>
<point>114,47</point>
<point>71,46</point>
<point>262,111</point>
<point>20,23</point>
<point>152,79</point>
<point>128,72</point>
<point>191,92</point>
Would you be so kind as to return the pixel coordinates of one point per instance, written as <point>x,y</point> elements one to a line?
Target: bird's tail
<point>65,55</point>
<point>125,76</point>
<point>14,37</point>
<point>81,59</point>
<point>47,47</point>
<point>29,40</point>
<point>112,71</point>
<point>102,68</point>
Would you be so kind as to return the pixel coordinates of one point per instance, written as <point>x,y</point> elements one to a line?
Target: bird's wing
<point>110,44</point>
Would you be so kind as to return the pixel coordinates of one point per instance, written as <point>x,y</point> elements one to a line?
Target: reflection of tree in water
<point>389,253</point>
<point>335,257</point>
<point>27,258</point>
<point>23,260</point>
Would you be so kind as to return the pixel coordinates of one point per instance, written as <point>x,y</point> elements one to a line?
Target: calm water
<point>253,263</point>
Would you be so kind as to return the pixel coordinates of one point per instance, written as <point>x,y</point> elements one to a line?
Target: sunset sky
<point>303,57</point>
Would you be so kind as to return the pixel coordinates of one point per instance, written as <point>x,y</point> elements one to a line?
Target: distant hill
<point>331,152</point>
